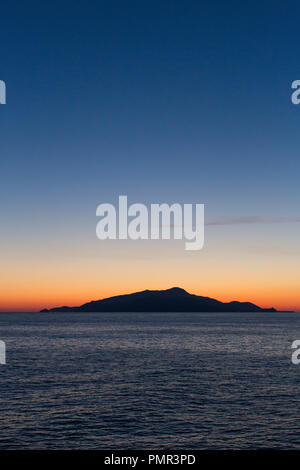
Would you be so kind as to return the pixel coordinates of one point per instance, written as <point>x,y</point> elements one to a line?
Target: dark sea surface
<point>142,381</point>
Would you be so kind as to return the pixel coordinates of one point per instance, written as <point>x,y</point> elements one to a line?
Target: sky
<point>161,101</point>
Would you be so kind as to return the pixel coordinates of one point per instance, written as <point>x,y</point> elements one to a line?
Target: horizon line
<point>57,305</point>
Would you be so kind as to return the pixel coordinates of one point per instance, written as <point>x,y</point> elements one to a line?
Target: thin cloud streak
<point>255,220</point>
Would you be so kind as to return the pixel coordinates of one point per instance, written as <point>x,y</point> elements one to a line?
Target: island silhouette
<point>169,300</point>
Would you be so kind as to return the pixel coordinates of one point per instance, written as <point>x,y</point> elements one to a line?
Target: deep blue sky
<point>164,101</point>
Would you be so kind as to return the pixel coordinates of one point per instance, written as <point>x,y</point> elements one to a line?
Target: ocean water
<point>149,381</point>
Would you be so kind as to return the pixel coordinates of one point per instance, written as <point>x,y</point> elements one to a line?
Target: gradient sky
<point>165,102</point>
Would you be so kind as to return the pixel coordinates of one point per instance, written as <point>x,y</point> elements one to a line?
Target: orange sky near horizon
<point>36,286</point>
<point>37,275</point>
<point>31,303</point>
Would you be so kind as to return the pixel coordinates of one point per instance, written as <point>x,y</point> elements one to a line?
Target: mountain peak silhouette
<point>174,299</point>
<point>176,290</point>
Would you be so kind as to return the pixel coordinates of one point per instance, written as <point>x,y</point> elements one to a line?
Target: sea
<point>149,381</point>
